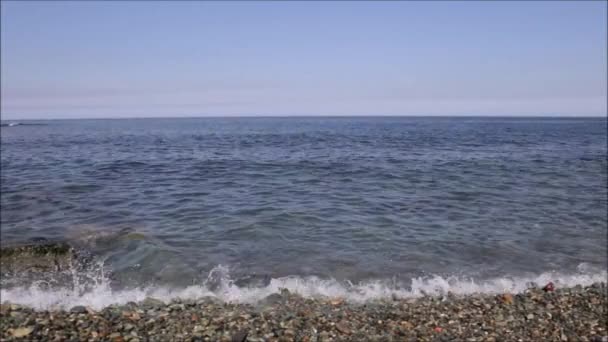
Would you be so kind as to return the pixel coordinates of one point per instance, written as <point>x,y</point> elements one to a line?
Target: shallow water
<point>315,203</point>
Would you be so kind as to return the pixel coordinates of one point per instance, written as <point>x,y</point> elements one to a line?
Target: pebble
<point>240,336</point>
<point>507,298</point>
<point>21,332</point>
<point>79,309</point>
<point>343,328</point>
<point>152,303</point>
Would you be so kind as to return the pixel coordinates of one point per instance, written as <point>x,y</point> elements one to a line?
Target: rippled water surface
<point>165,201</point>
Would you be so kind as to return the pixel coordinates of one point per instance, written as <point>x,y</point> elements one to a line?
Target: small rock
<point>79,309</point>
<point>208,300</point>
<point>343,327</point>
<point>177,307</point>
<point>272,299</point>
<point>337,301</point>
<point>150,302</point>
<point>549,287</point>
<point>507,298</point>
<point>407,325</point>
<point>16,314</point>
<point>240,336</point>
<point>21,332</point>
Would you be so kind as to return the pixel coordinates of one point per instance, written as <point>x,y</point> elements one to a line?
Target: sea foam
<point>100,294</point>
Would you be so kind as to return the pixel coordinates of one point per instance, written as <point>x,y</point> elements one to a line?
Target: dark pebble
<point>79,309</point>
<point>240,336</point>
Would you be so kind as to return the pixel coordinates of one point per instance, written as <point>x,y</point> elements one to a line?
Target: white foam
<point>101,295</point>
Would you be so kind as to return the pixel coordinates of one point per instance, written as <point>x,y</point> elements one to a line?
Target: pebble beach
<point>563,314</point>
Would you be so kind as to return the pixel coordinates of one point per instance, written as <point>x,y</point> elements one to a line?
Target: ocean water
<point>364,207</point>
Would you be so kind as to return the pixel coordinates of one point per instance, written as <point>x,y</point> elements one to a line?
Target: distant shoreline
<point>533,117</point>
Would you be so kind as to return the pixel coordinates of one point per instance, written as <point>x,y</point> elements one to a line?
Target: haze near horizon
<point>176,59</point>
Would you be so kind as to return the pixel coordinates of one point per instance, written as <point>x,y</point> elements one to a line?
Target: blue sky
<point>134,59</point>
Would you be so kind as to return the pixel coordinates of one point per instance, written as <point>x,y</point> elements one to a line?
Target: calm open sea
<point>360,207</point>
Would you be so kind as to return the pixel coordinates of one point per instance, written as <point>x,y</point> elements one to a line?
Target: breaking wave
<point>98,293</point>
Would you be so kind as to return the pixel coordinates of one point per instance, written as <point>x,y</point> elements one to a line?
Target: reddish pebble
<point>549,287</point>
<point>438,329</point>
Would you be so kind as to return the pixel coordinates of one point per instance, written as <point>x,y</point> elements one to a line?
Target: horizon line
<point>253,116</point>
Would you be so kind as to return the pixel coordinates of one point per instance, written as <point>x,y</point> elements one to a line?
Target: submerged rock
<point>48,264</point>
<point>39,257</point>
<point>254,280</point>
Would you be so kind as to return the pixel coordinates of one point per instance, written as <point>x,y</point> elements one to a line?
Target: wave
<point>13,124</point>
<point>99,294</point>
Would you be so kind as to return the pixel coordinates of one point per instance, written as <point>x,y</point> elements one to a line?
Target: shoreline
<point>566,314</point>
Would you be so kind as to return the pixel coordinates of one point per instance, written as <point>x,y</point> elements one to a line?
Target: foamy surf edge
<point>101,295</point>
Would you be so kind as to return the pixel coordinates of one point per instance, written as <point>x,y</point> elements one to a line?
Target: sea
<point>362,208</point>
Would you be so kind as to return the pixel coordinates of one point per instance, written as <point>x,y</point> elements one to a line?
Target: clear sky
<point>132,59</point>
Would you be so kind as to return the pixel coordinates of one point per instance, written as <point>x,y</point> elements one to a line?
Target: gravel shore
<point>569,314</point>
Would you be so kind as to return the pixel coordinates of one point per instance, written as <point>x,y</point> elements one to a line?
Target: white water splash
<point>101,295</point>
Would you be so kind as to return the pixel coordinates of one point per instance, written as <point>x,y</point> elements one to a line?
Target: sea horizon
<point>253,116</point>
